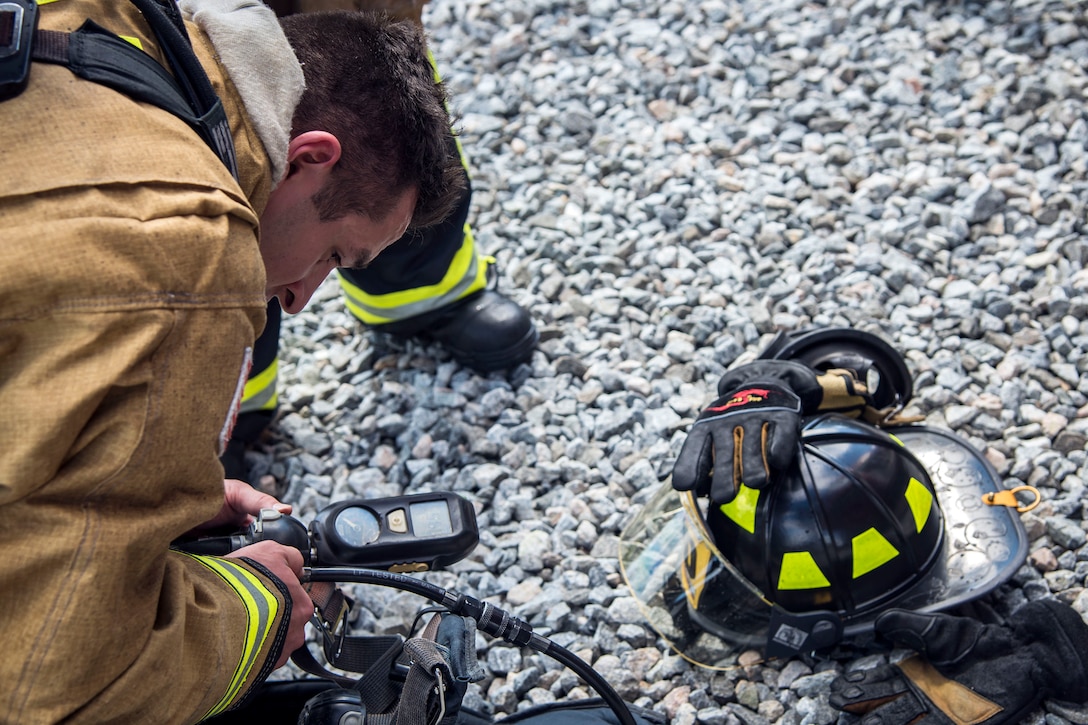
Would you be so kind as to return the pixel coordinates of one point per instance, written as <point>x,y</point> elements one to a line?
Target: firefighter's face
<point>299,250</point>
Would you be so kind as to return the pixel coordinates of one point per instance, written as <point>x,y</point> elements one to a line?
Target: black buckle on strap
<point>18,21</point>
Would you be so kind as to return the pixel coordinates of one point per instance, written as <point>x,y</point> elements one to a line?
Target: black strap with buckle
<point>95,54</point>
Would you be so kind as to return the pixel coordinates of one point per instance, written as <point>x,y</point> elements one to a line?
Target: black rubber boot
<point>484,331</point>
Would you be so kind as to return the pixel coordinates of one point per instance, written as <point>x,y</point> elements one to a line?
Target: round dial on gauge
<point>357,526</point>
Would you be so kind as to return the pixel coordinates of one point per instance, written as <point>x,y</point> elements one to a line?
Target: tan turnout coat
<point>131,283</point>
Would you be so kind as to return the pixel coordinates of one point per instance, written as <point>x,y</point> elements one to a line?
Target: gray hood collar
<point>253,49</point>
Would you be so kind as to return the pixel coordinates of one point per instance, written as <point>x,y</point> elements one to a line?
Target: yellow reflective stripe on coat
<point>262,607</point>
<point>262,391</point>
<point>467,273</point>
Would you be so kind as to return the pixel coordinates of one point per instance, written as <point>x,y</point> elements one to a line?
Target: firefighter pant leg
<point>433,286</point>
<point>420,273</point>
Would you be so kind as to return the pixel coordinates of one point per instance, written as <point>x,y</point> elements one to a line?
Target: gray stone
<point>1066,533</point>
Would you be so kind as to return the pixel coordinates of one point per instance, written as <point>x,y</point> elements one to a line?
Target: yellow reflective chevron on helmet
<point>920,500</point>
<point>800,571</point>
<point>742,509</point>
<point>871,551</point>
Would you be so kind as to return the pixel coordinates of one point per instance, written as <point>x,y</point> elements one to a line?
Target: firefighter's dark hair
<point>370,83</point>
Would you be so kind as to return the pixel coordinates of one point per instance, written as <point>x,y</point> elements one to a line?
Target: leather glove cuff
<point>834,390</point>
<point>970,673</point>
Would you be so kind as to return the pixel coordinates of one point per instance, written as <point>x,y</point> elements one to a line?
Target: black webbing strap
<point>360,654</point>
<point>95,54</point>
<point>376,686</point>
<point>420,700</point>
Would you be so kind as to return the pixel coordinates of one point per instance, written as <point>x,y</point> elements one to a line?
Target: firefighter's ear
<point>313,152</point>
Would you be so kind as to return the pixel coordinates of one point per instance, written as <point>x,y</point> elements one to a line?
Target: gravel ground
<point>665,186</point>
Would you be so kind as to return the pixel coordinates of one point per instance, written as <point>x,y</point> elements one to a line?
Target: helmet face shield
<point>872,519</point>
<point>690,594</point>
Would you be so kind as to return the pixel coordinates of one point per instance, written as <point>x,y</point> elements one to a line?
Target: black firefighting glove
<point>752,429</point>
<point>969,672</point>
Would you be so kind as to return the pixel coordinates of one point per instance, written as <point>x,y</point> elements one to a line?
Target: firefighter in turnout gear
<point>130,206</point>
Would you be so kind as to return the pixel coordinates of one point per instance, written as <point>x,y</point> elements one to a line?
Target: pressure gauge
<point>400,533</point>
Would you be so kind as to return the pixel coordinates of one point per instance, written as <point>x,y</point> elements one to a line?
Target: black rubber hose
<point>590,675</point>
<point>166,23</point>
<point>376,576</point>
<point>489,619</point>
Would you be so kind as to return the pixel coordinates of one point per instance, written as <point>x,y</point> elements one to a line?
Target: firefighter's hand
<point>744,437</point>
<point>285,563</point>
<point>241,505</point>
<point>969,672</point>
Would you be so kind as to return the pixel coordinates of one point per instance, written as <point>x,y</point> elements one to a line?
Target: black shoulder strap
<point>95,54</point>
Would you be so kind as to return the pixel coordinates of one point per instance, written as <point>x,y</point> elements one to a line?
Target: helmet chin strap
<point>792,634</point>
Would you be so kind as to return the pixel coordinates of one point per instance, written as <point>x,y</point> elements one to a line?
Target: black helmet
<point>848,529</point>
<point>870,519</point>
